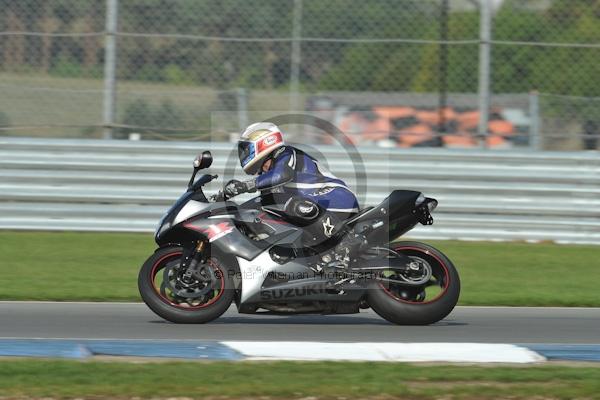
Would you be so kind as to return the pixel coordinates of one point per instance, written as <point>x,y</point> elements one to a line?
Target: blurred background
<point>491,106</point>
<point>406,73</point>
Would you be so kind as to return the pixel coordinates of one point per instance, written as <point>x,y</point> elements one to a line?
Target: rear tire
<point>183,313</point>
<point>418,311</point>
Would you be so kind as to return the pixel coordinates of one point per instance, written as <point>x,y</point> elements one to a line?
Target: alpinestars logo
<point>327,227</point>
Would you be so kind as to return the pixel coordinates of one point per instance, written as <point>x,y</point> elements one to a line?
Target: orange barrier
<point>409,126</point>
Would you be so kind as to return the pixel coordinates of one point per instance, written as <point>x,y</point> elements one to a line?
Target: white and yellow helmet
<point>257,142</point>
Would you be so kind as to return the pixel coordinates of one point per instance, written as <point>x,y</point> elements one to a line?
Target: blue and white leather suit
<point>296,174</point>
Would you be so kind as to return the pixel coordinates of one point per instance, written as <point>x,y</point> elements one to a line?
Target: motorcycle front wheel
<point>200,301</point>
<point>419,305</point>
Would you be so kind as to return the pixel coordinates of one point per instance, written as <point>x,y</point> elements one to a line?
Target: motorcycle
<point>213,252</point>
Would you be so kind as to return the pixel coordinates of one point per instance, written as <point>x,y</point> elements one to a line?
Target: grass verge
<point>104,266</point>
<point>291,380</point>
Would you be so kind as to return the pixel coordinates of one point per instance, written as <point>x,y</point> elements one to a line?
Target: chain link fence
<point>388,72</point>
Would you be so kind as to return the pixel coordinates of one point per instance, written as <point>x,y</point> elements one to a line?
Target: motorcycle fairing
<point>190,204</point>
<point>234,242</point>
<point>314,289</point>
<point>303,285</point>
<point>193,218</point>
<point>393,217</point>
<point>189,210</point>
<point>253,274</point>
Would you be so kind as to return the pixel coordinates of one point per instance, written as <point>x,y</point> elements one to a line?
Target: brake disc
<point>195,290</point>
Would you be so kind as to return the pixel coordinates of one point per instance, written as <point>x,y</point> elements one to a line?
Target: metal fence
<point>453,73</point>
<point>101,185</point>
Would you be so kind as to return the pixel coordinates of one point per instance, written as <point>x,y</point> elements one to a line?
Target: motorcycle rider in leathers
<point>311,196</point>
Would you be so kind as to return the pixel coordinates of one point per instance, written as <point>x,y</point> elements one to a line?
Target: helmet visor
<point>245,152</point>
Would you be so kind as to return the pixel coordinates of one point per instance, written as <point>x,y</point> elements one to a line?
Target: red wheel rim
<point>446,278</point>
<point>160,263</point>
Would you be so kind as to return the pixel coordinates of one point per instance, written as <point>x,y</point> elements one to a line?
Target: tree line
<point>340,65</point>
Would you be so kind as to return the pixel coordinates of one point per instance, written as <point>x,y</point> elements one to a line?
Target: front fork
<point>193,254</point>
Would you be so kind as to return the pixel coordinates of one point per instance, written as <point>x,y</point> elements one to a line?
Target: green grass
<point>42,100</point>
<point>526,274</point>
<point>292,380</point>
<point>71,265</point>
<point>104,266</point>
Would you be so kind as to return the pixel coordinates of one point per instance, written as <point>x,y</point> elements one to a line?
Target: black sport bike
<point>214,251</point>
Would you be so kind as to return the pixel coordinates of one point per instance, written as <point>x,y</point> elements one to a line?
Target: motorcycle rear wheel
<point>417,306</point>
<point>163,302</point>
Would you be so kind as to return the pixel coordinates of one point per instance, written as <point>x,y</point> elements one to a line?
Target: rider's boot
<point>350,246</point>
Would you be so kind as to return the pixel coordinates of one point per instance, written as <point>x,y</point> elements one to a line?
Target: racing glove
<point>235,187</point>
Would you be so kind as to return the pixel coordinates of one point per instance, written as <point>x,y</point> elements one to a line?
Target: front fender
<point>165,245</point>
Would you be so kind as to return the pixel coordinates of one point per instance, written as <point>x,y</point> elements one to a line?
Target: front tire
<point>412,306</point>
<point>177,309</point>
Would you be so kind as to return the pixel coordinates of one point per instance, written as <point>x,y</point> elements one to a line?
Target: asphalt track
<point>135,321</point>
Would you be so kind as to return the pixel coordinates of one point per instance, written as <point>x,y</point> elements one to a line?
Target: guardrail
<point>93,185</point>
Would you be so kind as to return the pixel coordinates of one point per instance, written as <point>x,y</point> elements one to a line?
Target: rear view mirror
<point>203,160</point>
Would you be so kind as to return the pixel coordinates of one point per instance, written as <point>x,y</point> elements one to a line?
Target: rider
<point>287,176</point>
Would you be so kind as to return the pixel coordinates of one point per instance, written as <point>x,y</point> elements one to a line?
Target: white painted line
<point>403,352</point>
